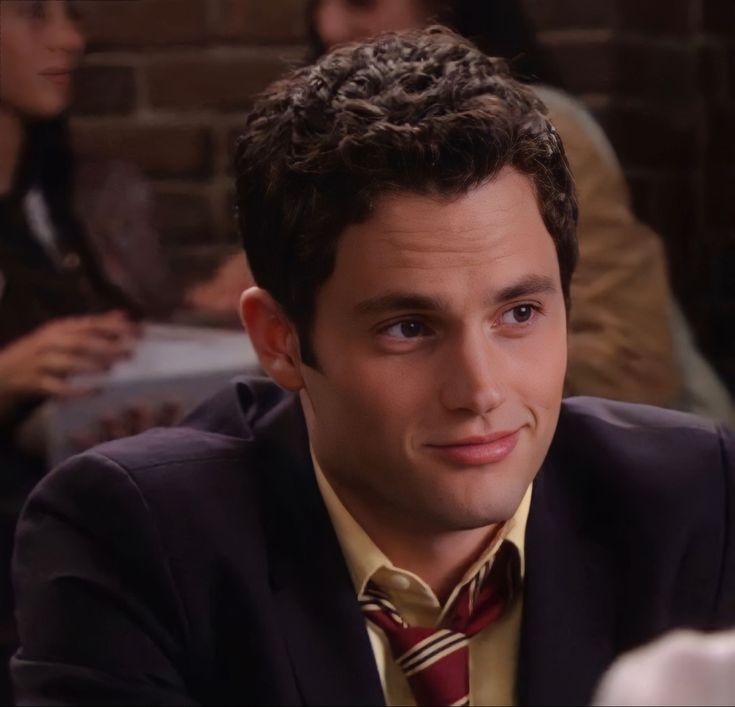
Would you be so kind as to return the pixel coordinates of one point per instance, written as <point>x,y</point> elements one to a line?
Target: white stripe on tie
<point>429,642</point>
<point>460,642</point>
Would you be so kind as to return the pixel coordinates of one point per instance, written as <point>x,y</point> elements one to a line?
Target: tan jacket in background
<point>620,336</point>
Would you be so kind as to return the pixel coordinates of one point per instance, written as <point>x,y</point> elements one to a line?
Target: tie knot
<point>435,660</point>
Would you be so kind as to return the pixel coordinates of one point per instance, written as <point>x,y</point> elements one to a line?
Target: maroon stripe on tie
<point>436,660</point>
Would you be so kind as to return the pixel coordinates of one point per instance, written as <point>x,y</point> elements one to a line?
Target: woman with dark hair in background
<point>79,262</point>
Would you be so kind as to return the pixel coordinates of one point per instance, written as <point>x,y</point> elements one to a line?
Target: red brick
<point>210,83</point>
<point>652,136</point>
<point>160,150</point>
<point>722,136</point>
<point>585,67</point>
<point>721,197</point>
<point>656,71</point>
<point>183,216</point>
<point>635,68</point>
<point>262,21</point>
<point>570,14</point>
<point>713,71</point>
<point>136,23</point>
<point>719,17</point>
<point>642,193</point>
<point>679,17</point>
<point>675,215</point>
<point>105,90</point>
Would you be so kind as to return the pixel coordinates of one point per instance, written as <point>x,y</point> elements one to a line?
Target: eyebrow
<point>393,301</point>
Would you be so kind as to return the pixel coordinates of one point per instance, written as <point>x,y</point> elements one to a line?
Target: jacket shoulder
<point>652,451</point>
<point>223,426</point>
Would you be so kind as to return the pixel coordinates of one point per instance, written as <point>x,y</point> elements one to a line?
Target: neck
<point>11,145</point>
<point>439,557</point>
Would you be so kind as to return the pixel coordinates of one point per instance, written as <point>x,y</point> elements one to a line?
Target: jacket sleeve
<point>98,615</point>
<point>620,338</point>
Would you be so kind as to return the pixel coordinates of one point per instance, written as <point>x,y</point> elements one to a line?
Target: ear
<point>274,337</point>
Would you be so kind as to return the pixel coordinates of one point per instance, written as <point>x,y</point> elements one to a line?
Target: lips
<point>478,450</point>
<point>61,77</point>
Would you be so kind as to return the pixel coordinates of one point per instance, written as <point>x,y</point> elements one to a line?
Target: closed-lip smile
<point>60,76</point>
<point>478,450</point>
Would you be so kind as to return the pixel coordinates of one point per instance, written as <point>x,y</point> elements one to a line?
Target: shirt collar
<point>366,561</point>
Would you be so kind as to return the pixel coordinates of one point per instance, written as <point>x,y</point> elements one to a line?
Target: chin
<point>45,110</point>
<point>478,508</point>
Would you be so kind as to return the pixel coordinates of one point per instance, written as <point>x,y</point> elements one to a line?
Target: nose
<point>474,376</point>
<point>62,31</point>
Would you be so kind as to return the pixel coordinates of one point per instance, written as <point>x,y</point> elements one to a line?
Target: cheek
<point>540,368</point>
<point>385,397</point>
<point>20,84</point>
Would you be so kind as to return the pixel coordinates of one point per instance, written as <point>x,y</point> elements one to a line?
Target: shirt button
<point>398,581</point>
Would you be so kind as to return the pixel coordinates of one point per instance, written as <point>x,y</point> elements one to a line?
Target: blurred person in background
<point>681,668</point>
<point>628,338</point>
<point>79,261</point>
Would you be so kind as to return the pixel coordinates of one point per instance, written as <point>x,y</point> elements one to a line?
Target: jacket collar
<point>567,631</point>
<point>321,620</point>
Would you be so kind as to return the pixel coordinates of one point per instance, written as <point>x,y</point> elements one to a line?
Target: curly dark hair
<point>422,111</point>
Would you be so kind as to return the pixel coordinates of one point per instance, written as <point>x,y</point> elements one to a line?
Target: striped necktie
<point>435,661</point>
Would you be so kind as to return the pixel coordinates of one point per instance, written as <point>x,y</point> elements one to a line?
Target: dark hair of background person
<point>499,28</point>
<point>47,162</point>
<point>419,111</point>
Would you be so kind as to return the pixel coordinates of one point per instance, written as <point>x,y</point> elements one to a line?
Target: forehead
<point>488,226</point>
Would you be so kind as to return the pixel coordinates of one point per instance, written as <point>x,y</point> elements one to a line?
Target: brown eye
<point>407,329</point>
<point>519,315</point>
<point>522,313</point>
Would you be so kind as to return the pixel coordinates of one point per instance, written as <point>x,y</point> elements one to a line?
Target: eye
<point>407,329</point>
<point>520,314</point>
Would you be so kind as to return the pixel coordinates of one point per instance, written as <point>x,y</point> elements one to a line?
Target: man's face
<point>441,342</point>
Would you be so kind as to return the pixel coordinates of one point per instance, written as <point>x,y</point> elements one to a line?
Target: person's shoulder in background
<point>114,201</point>
<point>682,668</point>
<point>628,337</point>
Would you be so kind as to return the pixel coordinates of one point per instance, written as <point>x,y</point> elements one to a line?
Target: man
<point>411,514</point>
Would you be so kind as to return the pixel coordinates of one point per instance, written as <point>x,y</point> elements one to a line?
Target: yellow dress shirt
<point>493,652</point>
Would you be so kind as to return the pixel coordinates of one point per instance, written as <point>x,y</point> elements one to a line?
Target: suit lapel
<point>321,621</point>
<point>567,631</point>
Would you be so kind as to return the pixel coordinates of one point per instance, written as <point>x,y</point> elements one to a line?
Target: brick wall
<point>166,82</point>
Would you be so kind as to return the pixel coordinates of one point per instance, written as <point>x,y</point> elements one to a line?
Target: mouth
<point>60,77</point>
<point>478,450</point>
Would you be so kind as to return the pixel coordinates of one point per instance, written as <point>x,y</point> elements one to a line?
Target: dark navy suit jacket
<point>198,564</point>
